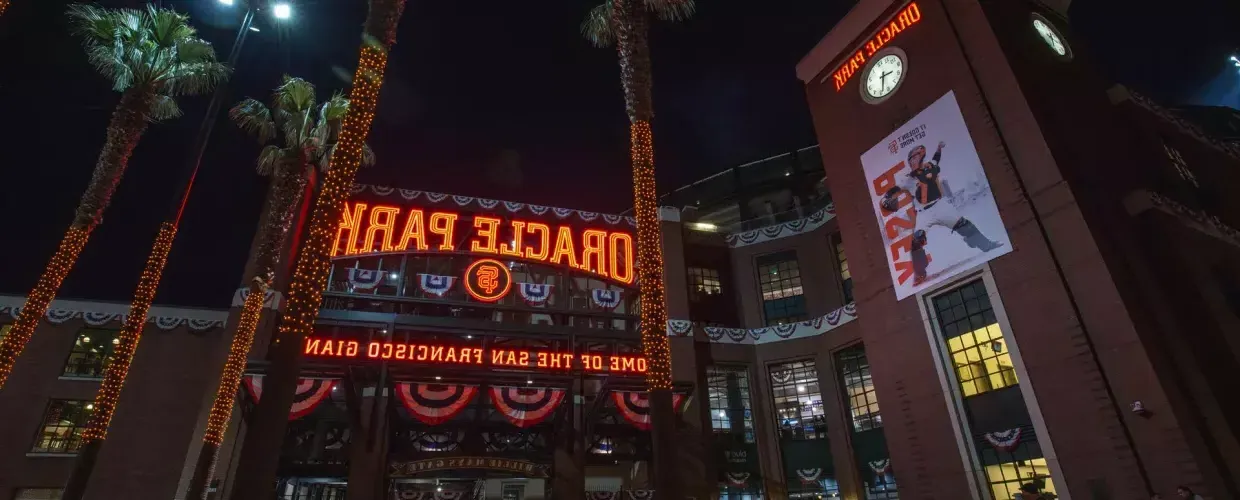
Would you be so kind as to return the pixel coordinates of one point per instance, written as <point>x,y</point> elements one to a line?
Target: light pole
<point>148,283</point>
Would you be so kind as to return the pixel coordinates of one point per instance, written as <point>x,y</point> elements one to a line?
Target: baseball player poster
<point>934,206</point>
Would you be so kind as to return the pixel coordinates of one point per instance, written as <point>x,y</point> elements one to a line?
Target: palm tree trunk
<point>4,4</point>
<point>285,195</point>
<point>122,356</point>
<point>124,130</point>
<point>631,23</point>
<point>259,461</point>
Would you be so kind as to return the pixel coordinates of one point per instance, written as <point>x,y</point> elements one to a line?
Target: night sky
<point>498,99</point>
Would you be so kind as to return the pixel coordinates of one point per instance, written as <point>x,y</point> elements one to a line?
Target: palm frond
<point>163,108</point>
<point>194,51</point>
<point>597,27</point>
<point>269,159</point>
<point>671,10</point>
<point>295,94</point>
<point>195,79</point>
<point>325,159</point>
<point>167,26</point>
<point>334,109</point>
<point>254,118</point>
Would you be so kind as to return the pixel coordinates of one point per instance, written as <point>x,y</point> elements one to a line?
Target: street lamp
<point>1235,61</point>
<point>227,2</point>
<point>282,10</point>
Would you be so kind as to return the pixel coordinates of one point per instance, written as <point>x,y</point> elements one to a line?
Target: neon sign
<point>907,16</point>
<point>368,229</point>
<point>488,280</point>
<point>440,354</point>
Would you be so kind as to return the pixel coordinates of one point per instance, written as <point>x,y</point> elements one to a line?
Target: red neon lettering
<point>513,249</point>
<point>387,350</point>
<point>613,363</point>
<point>422,353</point>
<point>629,364</point>
<point>351,349</point>
<point>312,346</point>
<point>524,359</point>
<point>381,219</point>
<point>544,238</point>
<point>542,360</point>
<point>593,244</point>
<point>487,229</point>
<point>564,247</point>
<point>641,365</point>
<point>351,221</point>
<point>437,353</point>
<point>444,224</point>
<point>402,352</point>
<point>414,232</point>
<point>908,16</point>
<point>372,350</point>
<point>620,246</point>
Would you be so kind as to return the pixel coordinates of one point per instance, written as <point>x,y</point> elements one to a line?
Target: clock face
<point>885,74</point>
<point>1049,36</point>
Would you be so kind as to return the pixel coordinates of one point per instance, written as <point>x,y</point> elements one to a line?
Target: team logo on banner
<point>487,280</point>
<point>434,404</point>
<point>310,393</point>
<point>526,407</point>
<point>934,205</point>
<point>635,406</point>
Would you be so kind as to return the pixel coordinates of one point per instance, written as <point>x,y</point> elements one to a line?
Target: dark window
<point>846,282</point>
<point>730,409</point>
<point>783,300</point>
<point>975,343</point>
<point>513,492</point>
<point>798,400</point>
<point>703,283</point>
<point>91,352</point>
<point>63,425</point>
<point>859,388</point>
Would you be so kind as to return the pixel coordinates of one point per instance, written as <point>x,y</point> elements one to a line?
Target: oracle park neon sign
<point>446,355</point>
<point>367,229</point>
<point>908,16</point>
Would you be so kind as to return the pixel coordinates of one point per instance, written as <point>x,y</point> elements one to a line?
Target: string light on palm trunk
<point>306,288</point>
<point>131,333</point>
<point>234,368</point>
<point>41,298</point>
<point>650,259</point>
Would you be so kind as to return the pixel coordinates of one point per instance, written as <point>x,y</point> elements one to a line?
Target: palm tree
<point>4,4</point>
<point>151,56</point>
<point>626,23</point>
<point>308,133</point>
<point>256,469</point>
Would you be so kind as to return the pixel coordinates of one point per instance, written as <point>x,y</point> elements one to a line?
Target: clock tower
<point>1035,203</point>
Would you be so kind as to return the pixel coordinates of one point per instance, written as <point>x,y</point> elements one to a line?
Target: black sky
<point>489,98</point>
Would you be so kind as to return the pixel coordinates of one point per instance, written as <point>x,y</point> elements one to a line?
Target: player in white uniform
<point>934,208</point>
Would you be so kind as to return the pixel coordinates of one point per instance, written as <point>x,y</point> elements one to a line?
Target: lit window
<point>38,494</point>
<point>859,387</point>
<point>63,425</point>
<point>91,352</point>
<point>783,300</point>
<point>1181,166</point>
<point>846,282</point>
<point>798,401</point>
<point>703,283</point>
<point>1006,478</point>
<point>975,342</point>
<point>730,410</point>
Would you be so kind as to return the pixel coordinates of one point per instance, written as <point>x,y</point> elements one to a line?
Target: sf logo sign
<point>487,280</point>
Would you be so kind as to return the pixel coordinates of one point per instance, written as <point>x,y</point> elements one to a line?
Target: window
<point>846,282</point>
<point>975,343</point>
<point>1181,166</point>
<point>798,401</point>
<point>91,352</point>
<point>512,491</point>
<point>782,297</point>
<point>703,283</point>
<point>38,494</point>
<point>855,377</point>
<point>730,411</point>
<point>63,424</point>
<point>1006,478</point>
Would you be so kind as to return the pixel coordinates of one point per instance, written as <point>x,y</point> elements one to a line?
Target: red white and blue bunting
<point>880,467</point>
<point>100,314</point>
<point>603,495</point>
<point>776,231</point>
<point>309,394</point>
<point>635,406</point>
<point>777,333</point>
<point>809,476</point>
<point>1004,440</point>
<point>737,479</point>
<point>679,327</point>
<point>604,298</point>
<point>361,280</point>
<point>270,301</point>
<point>489,205</point>
<point>535,294</point>
<point>640,494</point>
<point>525,406</point>
<point>435,284</point>
<point>434,404</point>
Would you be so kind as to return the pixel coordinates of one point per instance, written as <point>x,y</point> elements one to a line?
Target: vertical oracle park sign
<point>367,228</point>
<point>908,16</point>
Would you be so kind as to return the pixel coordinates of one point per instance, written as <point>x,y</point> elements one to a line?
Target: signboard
<point>908,16</point>
<point>488,280</point>
<point>372,229</point>
<point>933,203</point>
<point>442,354</point>
<point>526,468</point>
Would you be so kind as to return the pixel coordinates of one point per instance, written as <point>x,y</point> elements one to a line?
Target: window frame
<point>820,430</point>
<point>106,359</point>
<point>700,276</point>
<point>40,432</point>
<point>968,343</point>
<point>873,414</point>
<point>748,426</point>
<point>777,259</point>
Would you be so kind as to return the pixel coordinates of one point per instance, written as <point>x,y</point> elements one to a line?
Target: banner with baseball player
<point>934,206</point>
